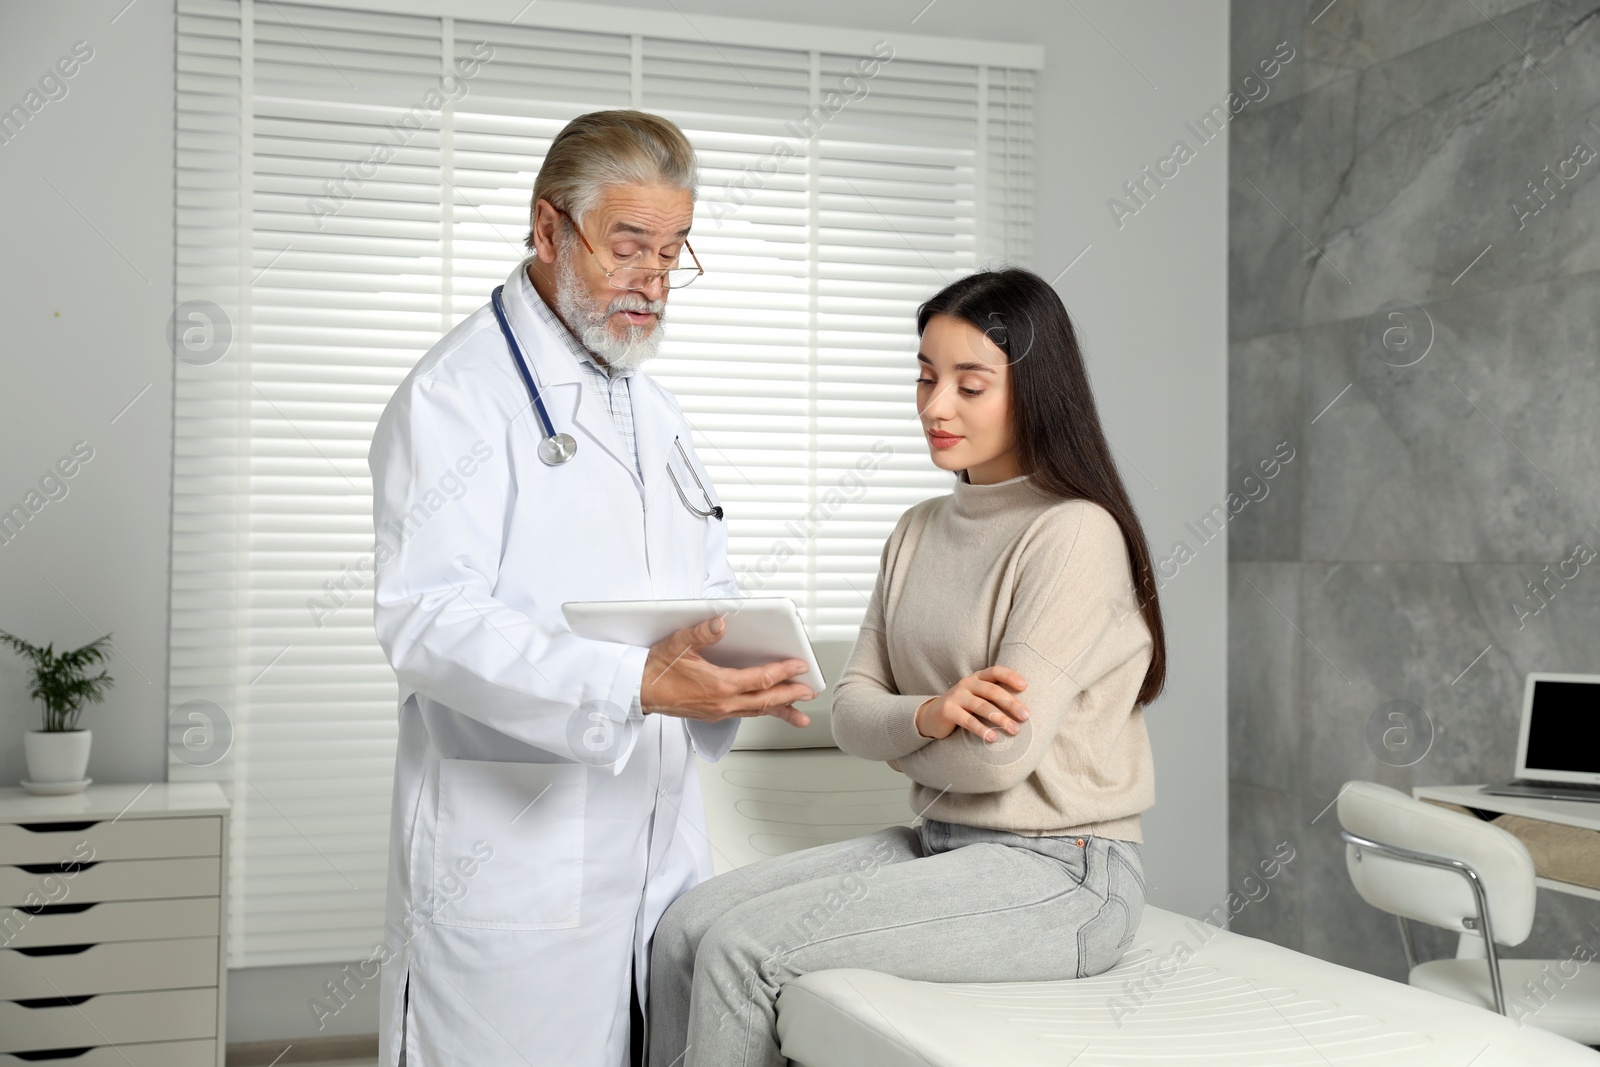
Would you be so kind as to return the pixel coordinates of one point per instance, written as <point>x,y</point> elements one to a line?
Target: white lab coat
<point>525,876</point>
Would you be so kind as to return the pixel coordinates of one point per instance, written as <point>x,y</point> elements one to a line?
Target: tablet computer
<point>759,629</point>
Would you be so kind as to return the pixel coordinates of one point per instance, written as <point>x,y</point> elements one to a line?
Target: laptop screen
<point>1562,734</point>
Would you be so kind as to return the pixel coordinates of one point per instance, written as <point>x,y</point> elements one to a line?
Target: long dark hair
<point>1056,426</point>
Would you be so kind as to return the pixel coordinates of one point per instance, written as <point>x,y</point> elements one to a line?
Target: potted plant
<point>58,755</point>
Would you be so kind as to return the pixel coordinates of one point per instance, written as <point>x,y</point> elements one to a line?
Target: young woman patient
<point>1002,666</point>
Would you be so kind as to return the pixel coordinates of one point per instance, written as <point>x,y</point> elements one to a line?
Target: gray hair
<point>606,148</point>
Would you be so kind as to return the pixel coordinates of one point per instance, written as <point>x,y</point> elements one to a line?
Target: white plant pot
<point>57,755</point>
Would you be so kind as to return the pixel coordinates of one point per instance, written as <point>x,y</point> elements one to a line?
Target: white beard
<point>588,319</point>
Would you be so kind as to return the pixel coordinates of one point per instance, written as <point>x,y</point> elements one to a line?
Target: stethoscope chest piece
<point>554,448</point>
<point>557,448</point>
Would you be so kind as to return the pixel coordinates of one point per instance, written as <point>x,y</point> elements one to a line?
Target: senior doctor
<point>546,807</point>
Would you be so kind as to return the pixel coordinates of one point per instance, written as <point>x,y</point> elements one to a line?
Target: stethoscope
<point>557,448</point>
<point>712,511</point>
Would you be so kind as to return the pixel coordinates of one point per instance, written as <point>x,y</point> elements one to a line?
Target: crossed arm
<point>1067,627</point>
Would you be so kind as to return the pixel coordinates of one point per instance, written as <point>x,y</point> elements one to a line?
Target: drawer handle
<point>55,1002</point>
<point>64,867</point>
<point>56,909</point>
<point>56,950</point>
<point>41,1055</point>
<point>57,827</point>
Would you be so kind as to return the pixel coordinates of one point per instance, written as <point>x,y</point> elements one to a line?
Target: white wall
<point>87,190</point>
<point>85,288</point>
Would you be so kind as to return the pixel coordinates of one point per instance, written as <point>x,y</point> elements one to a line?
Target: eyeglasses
<point>627,277</point>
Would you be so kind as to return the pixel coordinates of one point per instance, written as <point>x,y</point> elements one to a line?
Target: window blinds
<point>352,181</point>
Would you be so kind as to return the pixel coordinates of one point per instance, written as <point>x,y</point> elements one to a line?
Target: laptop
<point>1558,749</point>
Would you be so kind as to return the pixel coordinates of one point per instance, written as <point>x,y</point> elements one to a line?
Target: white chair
<point>783,789</point>
<point>1420,861</point>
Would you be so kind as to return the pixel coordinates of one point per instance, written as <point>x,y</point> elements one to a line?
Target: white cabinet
<point>113,926</point>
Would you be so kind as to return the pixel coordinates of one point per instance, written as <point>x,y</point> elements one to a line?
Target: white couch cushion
<point>1230,1000</point>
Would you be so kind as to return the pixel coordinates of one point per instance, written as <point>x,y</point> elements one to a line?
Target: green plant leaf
<point>62,682</point>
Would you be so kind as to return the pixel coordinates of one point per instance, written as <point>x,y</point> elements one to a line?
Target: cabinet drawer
<point>115,880</point>
<point>131,920</point>
<point>113,967</point>
<point>119,839</point>
<point>171,1015</point>
<point>160,1054</point>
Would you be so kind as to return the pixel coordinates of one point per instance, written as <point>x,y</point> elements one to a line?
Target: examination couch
<point>1184,994</point>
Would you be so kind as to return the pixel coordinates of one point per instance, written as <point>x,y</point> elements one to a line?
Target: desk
<point>1580,813</point>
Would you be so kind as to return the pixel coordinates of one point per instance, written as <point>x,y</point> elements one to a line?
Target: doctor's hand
<point>678,681</point>
<point>973,703</point>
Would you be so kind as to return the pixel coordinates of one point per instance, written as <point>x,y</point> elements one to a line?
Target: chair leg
<point>1408,944</point>
<point>1493,960</point>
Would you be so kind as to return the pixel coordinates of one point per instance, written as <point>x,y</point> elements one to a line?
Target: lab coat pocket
<point>531,815</point>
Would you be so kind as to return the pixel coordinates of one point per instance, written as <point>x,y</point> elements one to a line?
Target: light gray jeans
<point>940,902</point>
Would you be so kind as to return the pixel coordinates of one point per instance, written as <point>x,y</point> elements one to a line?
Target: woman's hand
<point>973,703</point>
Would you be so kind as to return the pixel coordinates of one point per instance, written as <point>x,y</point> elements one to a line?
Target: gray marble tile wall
<point>1438,155</point>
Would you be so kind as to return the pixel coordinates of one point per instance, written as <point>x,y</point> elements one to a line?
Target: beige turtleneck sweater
<point>1003,574</point>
